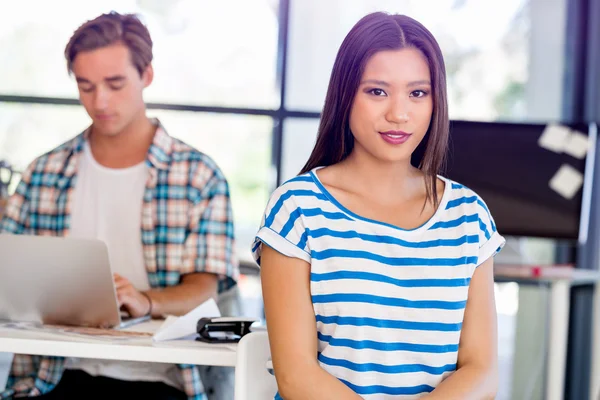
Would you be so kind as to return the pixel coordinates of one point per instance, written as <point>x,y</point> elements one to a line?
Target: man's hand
<point>130,299</point>
<point>193,290</point>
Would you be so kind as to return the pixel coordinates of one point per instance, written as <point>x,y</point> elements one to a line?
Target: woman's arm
<point>476,376</point>
<point>292,331</point>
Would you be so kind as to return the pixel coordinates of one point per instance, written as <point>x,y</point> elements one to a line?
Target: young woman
<point>377,275</point>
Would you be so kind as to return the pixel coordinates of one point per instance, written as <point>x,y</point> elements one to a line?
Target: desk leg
<point>595,378</point>
<point>557,346</point>
<point>5,364</point>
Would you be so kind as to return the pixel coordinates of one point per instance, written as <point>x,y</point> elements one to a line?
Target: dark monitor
<point>503,163</point>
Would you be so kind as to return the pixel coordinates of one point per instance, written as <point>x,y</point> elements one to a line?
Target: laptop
<point>58,281</point>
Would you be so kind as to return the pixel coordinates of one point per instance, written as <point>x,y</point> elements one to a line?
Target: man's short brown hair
<point>109,29</point>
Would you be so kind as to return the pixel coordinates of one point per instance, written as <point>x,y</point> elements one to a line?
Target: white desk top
<point>135,348</point>
<point>546,274</point>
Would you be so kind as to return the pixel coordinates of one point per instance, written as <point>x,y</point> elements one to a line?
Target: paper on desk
<point>185,327</point>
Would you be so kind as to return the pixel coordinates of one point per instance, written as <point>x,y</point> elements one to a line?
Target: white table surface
<point>130,349</point>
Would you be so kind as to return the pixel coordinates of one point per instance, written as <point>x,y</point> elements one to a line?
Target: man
<point>162,208</point>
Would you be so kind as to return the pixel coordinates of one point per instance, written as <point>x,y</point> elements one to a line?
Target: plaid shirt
<point>187,226</point>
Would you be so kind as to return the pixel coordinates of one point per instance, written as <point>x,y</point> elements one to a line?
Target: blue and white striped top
<point>388,302</point>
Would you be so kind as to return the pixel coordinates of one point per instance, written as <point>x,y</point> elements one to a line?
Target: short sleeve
<point>282,227</point>
<point>210,242</point>
<point>490,241</point>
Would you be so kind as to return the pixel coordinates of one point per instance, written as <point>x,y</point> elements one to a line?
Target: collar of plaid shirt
<point>176,240</point>
<point>159,154</point>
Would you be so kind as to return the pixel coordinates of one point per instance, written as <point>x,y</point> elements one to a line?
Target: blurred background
<point>244,82</point>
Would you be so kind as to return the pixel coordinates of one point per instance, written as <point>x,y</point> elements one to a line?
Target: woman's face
<point>392,108</point>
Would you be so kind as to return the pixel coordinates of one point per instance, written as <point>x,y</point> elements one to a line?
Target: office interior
<point>244,82</point>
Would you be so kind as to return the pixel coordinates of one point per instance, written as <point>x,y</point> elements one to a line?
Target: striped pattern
<point>187,226</point>
<point>389,303</point>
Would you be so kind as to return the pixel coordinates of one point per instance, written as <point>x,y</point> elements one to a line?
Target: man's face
<point>110,87</point>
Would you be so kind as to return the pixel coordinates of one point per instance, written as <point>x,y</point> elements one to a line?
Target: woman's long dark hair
<point>373,33</point>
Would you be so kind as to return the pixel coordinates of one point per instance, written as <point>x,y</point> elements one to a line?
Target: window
<point>299,135</point>
<point>504,59</point>
<point>29,130</point>
<point>203,52</point>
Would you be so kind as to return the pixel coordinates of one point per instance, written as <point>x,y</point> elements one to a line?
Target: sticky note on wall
<point>554,138</point>
<point>561,139</point>
<point>567,181</point>
<point>577,145</point>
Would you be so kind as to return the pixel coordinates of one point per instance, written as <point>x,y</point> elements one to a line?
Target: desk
<point>133,349</point>
<point>559,280</point>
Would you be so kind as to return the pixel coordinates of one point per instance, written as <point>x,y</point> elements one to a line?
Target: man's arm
<point>193,290</point>
<point>477,375</point>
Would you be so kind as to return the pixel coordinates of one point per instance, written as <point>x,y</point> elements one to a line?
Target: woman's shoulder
<point>299,183</point>
<point>458,188</point>
<point>297,189</point>
<point>460,195</point>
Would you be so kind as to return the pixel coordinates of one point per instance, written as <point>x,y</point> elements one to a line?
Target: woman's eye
<point>418,93</point>
<point>377,92</point>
